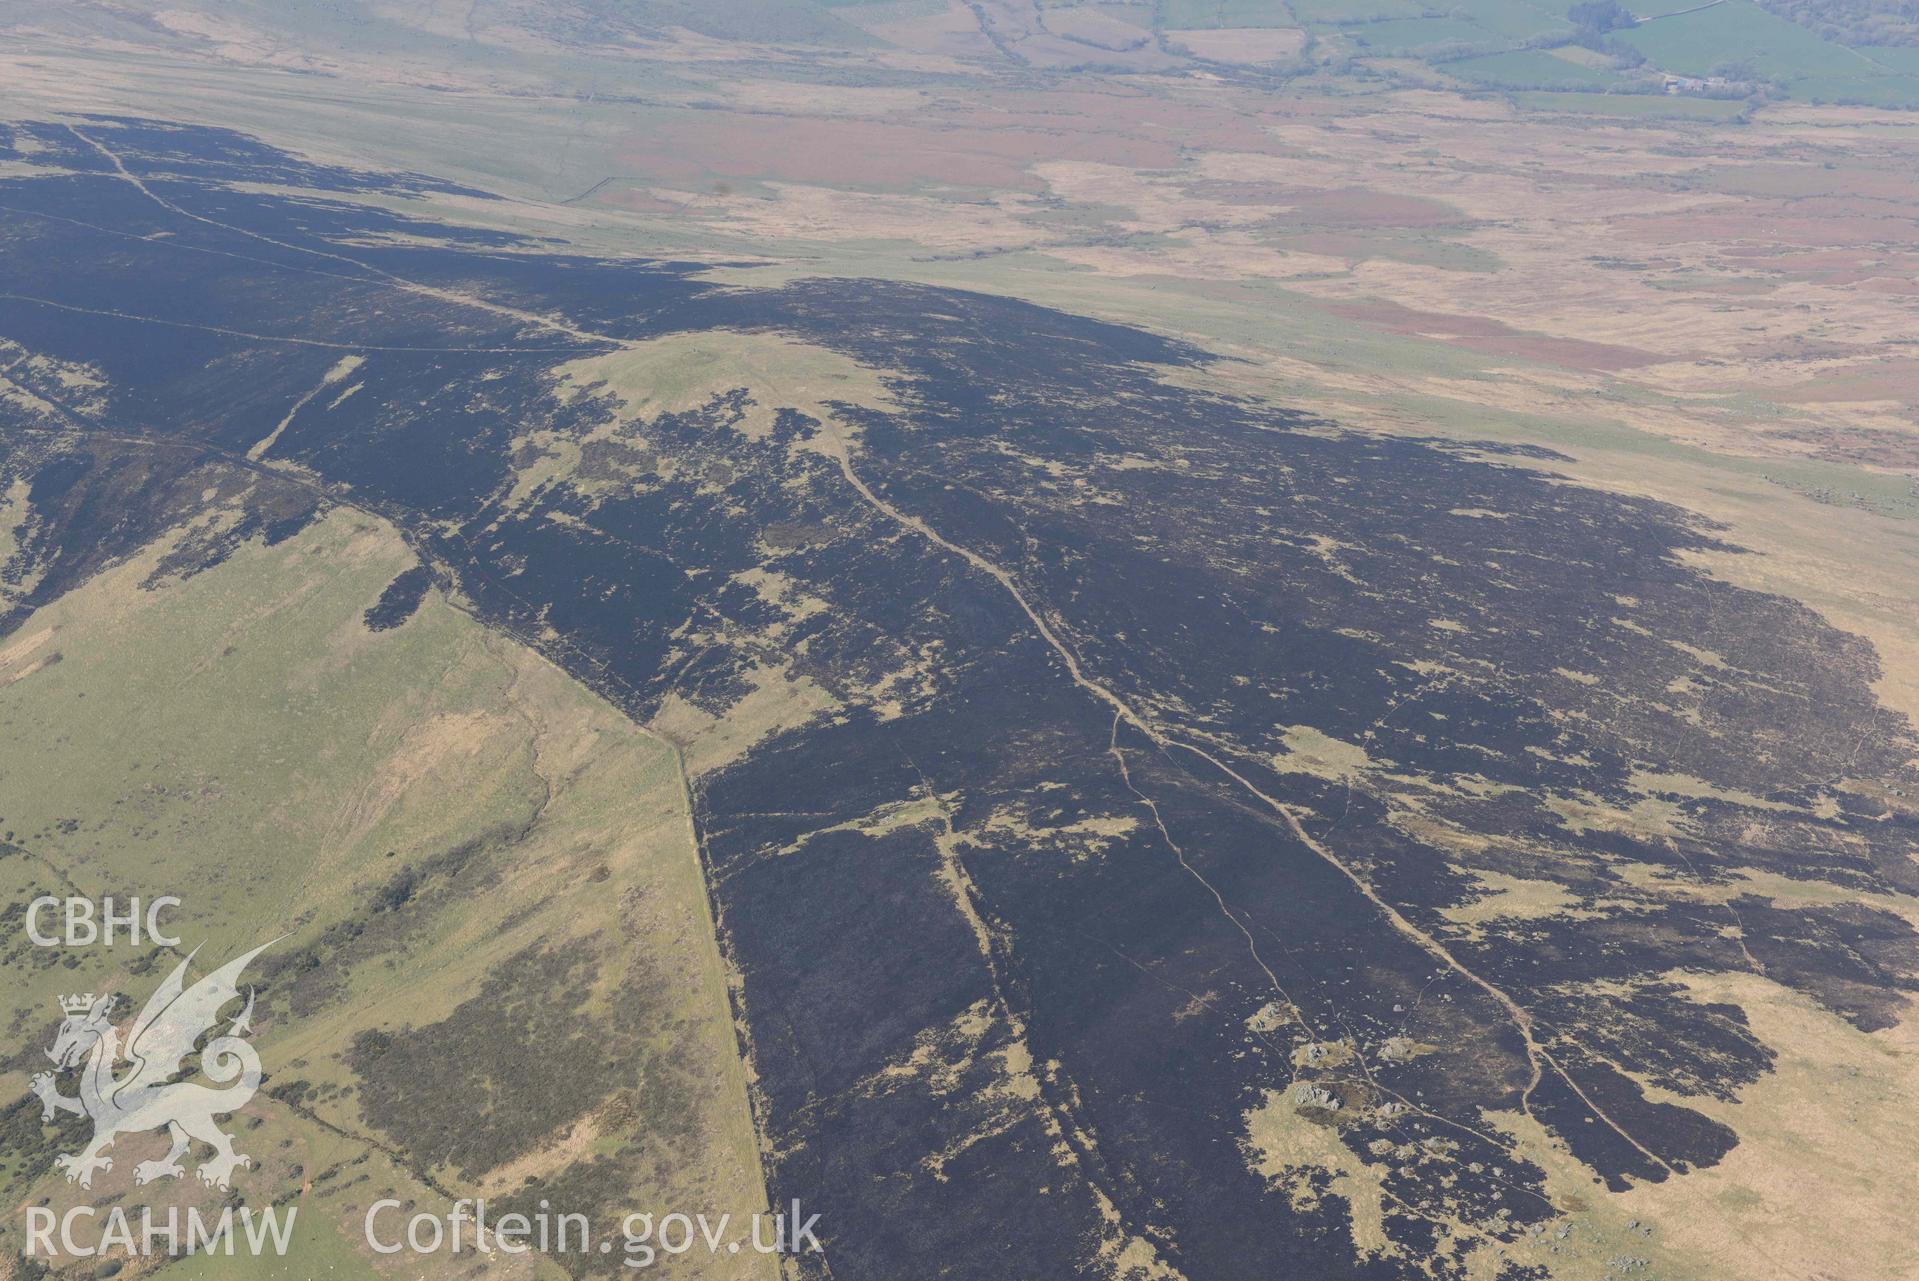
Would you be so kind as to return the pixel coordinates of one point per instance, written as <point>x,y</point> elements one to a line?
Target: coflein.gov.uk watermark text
<point>642,1238</point>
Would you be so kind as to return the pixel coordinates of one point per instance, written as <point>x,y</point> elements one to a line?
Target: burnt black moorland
<point>1192,716</point>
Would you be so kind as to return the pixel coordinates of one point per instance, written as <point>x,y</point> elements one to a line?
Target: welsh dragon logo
<point>152,1096</point>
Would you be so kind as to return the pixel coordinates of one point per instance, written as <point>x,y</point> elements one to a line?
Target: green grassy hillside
<point>497,958</point>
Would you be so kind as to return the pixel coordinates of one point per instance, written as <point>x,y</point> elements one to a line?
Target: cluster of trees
<point>1594,21</point>
<point>1879,22</point>
<point>1595,18</point>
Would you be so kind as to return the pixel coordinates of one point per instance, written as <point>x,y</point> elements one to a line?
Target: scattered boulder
<point>1402,1049</point>
<point>1323,1054</point>
<point>1308,1095</point>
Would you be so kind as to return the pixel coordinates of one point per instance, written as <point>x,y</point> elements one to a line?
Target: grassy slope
<point>1530,69</point>
<point>1693,44</point>
<point>240,739</point>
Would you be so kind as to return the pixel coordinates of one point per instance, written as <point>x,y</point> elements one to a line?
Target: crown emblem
<point>77,1004</point>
